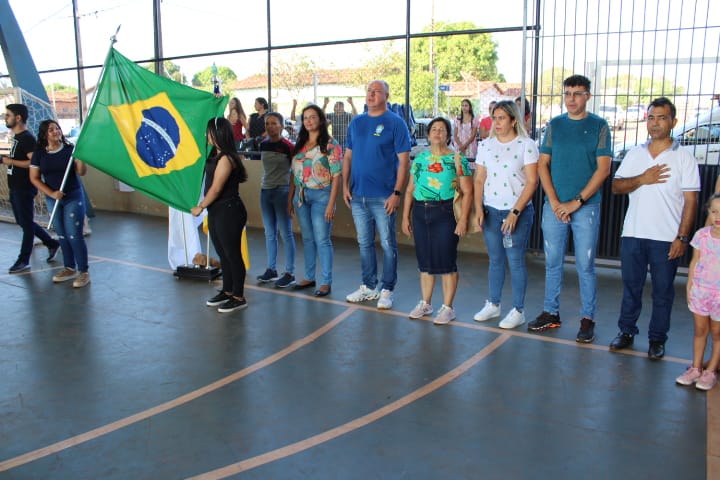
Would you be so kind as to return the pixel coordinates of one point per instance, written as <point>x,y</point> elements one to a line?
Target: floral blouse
<point>436,176</point>
<point>313,169</point>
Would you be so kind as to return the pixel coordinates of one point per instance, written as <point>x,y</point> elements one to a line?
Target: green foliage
<point>551,85</point>
<point>203,79</point>
<point>57,87</point>
<point>171,71</point>
<point>456,56</point>
<point>293,75</point>
<point>631,90</point>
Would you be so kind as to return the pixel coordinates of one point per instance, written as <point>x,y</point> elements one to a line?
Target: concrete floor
<point>134,377</point>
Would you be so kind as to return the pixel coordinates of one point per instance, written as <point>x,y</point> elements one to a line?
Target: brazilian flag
<point>149,132</point>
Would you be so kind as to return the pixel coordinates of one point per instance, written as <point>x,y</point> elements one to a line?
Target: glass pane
<point>191,27</point>
<point>435,15</point>
<point>323,21</point>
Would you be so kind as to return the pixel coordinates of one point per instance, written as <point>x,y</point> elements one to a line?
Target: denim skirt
<point>436,244</point>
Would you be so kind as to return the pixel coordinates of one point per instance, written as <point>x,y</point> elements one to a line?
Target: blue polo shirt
<point>375,143</point>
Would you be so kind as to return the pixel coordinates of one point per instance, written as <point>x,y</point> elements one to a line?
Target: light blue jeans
<point>68,224</point>
<point>585,226</point>
<point>315,232</point>
<point>274,208</point>
<point>369,214</point>
<point>515,255</point>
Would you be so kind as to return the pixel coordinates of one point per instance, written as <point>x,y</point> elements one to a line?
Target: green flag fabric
<point>149,132</point>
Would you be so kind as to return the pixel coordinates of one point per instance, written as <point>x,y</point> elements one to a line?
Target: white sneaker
<point>490,310</point>
<point>445,315</point>
<point>421,309</point>
<point>385,302</point>
<point>363,293</point>
<point>512,319</point>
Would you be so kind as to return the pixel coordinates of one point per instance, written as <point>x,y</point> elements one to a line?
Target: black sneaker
<point>268,276</point>
<point>622,341</point>
<point>19,267</point>
<point>52,253</point>
<point>544,321</point>
<point>232,305</point>
<point>586,334</point>
<point>218,299</point>
<point>285,281</point>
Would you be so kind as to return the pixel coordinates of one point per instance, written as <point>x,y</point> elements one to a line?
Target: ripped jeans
<point>585,226</point>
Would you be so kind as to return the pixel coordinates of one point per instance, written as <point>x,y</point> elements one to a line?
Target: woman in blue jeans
<point>505,182</point>
<point>276,153</point>
<point>47,169</point>
<point>316,168</point>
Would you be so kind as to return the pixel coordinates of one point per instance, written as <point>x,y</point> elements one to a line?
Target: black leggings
<point>226,220</point>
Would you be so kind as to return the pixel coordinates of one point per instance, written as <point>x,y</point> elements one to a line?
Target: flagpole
<point>113,39</point>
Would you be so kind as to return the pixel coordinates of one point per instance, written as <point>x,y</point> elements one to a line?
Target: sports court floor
<point>133,377</point>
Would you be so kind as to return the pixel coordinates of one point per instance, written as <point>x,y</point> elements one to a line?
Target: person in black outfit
<point>224,172</point>
<point>22,192</point>
<point>256,123</point>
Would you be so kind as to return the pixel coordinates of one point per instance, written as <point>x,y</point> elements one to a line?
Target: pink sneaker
<point>706,381</point>
<point>690,376</point>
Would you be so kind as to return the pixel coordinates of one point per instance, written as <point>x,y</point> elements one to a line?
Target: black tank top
<point>230,189</point>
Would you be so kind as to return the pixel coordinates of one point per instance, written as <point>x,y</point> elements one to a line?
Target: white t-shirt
<point>505,164</point>
<point>655,210</point>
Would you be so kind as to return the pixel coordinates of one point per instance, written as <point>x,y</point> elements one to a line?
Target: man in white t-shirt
<point>662,180</point>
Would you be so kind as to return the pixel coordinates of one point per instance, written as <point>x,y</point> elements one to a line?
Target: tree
<point>456,56</point>
<point>293,75</point>
<point>551,85</point>
<point>58,87</point>
<point>171,71</point>
<point>203,79</point>
<point>630,90</point>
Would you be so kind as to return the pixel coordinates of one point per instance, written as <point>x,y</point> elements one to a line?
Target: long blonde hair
<point>511,108</point>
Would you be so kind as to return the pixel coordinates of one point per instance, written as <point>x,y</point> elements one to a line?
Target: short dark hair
<point>444,121</point>
<point>664,102</point>
<point>276,115</point>
<point>577,81</point>
<point>18,109</point>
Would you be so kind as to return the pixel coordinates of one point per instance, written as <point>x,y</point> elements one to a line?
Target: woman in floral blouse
<point>505,182</point>
<point>435,175</point>
<point>316,168</point>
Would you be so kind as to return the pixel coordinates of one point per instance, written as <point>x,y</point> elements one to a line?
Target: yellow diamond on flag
<point>155,135</point>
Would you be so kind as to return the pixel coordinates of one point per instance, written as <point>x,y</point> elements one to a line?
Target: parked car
<point>636,113</point>
<point>702,137</point>
<point>614,115</point>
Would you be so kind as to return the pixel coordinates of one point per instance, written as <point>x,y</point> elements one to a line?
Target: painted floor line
<point>163,407</point>
<point>713,434</point>
<point>360,422</point>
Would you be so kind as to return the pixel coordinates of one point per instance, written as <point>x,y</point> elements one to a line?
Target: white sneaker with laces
<point>490,310</point>
<point>512,319</point>
<point>421,309</point>
<point>386,300</point>
<point>363,293</point>
<point>445,315</point>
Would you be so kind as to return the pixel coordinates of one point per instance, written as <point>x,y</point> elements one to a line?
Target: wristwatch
<point>683,238</point>
<point>515,212</point>
<point>397,192</point>
<point>580,199</point>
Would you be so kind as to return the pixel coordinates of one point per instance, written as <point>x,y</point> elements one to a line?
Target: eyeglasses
<point>575,94</point>
<point>311,117</point>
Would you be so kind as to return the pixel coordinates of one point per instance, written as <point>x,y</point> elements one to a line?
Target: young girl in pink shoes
<point>703,294</point>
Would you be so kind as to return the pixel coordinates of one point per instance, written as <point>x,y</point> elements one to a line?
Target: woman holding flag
<point>66,198</point>
<point>224,172</point>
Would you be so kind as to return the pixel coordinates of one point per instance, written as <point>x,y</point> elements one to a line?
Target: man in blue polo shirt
<point>574,162</point>
<point>375,170</point>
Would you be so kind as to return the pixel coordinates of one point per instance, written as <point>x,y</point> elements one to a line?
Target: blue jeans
<point>68,223</point>
<point>636,255</point>
<point>315,232</point>
<point>369,214</point>
<point>274,207</point>
<point>515,255</point>
<point>585,225</point>
<point>23,207</point>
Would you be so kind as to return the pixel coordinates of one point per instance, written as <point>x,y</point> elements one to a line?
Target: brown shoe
<point>82,280</point>
<point>64,275</point>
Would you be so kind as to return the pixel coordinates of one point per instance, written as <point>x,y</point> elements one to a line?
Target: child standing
<point>703,294</point>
